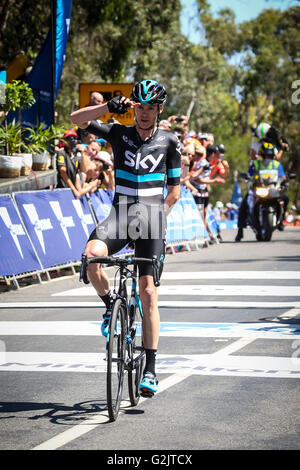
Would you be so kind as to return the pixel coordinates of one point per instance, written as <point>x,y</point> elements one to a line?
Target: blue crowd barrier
<point>57,223</point>
<point>212,224</point>
<point>43,229</point>
<point>16,251</point>
<point>184,221</point>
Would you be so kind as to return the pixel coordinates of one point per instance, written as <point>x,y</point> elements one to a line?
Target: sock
<point>150,360</point>
<point>107,299</point>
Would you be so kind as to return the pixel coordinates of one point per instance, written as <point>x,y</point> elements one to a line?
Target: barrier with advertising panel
<point>57,223</point>
<point>16,251</point>
<point>43,229</point>
<point>184,221</point>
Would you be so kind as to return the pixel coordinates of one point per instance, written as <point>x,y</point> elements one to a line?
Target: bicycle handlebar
<point>114,261</point>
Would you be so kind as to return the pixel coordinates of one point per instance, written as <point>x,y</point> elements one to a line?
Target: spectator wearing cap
<point>218,166</point>
<point>203,139</point>
<point>201,179</point>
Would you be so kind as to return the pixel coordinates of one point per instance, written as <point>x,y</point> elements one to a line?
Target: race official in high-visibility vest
<point>267,152</point>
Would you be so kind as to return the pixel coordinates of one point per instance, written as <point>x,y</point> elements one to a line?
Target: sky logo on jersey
<point>40,225</point>
<point>64,221</point>
<point>147,162</point>
<point>15,230</point>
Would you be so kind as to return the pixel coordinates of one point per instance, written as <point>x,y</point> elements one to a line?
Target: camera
<point>105,166</point>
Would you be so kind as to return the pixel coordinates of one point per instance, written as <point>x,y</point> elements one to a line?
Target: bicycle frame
<point>122,347</point>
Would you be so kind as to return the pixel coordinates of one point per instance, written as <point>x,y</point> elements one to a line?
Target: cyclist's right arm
<point>82,117</point>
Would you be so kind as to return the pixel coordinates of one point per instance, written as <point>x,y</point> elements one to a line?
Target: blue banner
<point>63,18</point>
<point>58,224</point>
<point>16,252</point>
<point>41,77</point>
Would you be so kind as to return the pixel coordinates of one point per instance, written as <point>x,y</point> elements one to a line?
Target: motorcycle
<point>265,202</point>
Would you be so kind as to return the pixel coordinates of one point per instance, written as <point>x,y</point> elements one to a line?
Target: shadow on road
<point>58,413</point>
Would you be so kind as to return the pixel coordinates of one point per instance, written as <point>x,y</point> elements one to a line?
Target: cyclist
<point>144,158</point>
<point>268,153</point>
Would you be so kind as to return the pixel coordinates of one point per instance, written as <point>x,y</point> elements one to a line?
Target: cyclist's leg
<point>103,241</point>
<point>151,318</point>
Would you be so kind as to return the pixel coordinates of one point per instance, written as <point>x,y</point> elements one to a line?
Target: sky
<point>244,10</point>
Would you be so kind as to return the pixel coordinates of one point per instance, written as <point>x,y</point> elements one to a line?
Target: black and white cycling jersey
<point>142,168</point>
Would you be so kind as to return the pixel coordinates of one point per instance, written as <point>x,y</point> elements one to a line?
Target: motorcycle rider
<point>268,162</point>
<point>266,134</point>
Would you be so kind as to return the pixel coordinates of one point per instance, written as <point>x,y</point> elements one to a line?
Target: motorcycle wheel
<point>267,226</point>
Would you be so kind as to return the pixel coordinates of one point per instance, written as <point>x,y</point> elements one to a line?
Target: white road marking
<point>281,275</point>
<point>258,330</point>
<point>99,418</point>
<point>203,290</point>
<point>161,303</point>
<point>187,364</point>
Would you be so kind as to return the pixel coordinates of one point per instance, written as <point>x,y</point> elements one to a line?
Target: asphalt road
<point>228,362</point>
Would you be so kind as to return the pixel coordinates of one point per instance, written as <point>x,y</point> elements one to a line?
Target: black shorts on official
<point>203,200</point>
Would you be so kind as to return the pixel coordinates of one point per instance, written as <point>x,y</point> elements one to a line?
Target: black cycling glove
<point>114,106</point>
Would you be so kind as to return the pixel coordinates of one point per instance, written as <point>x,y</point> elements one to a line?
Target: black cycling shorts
<point>143,225</point>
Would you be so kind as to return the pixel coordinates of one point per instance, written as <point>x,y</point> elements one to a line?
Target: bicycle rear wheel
<point>116,359</point>
<point>137,354</point>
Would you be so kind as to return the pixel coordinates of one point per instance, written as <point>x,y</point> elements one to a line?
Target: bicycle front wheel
<point>116,359</point>
<point>137,356</point>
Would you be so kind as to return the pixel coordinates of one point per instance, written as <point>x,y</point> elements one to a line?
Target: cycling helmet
<point>262,129</point>
<point>267,150</point>
<point>149,92</point>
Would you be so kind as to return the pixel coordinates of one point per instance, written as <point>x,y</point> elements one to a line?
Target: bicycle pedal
<point>146,393</point>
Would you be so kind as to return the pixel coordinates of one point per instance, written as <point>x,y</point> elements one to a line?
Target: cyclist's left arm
<point>173,174</point>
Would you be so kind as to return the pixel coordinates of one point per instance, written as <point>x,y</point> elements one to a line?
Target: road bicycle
<point>124,343</point>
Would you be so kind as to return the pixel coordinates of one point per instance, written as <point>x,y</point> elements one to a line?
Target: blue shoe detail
<point>149,385</point>
<point>105,323</point>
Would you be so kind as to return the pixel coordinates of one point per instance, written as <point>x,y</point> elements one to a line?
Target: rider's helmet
<point>267,150</point>
<point>149,92</point>
<point>261,130</point>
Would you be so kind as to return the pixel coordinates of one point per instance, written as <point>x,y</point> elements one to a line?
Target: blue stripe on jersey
<point>174,172</point>
<point>139,178</point>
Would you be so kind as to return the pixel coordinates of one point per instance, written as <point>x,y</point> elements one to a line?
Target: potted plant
<point>18,95</point>
<point>40,141</point>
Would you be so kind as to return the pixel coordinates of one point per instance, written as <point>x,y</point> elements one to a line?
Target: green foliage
<point>11,138</point>
<point>41,139</point>
<point>238,74</point>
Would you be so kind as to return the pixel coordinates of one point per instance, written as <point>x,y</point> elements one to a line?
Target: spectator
<point>105,165</point>
<point>68,163</point>
<point>95,98</point>
<point>186,166</point>
<point>165,125</point>
<point>201,179</point>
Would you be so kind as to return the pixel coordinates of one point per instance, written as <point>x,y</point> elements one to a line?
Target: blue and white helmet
<point>149,92</point>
